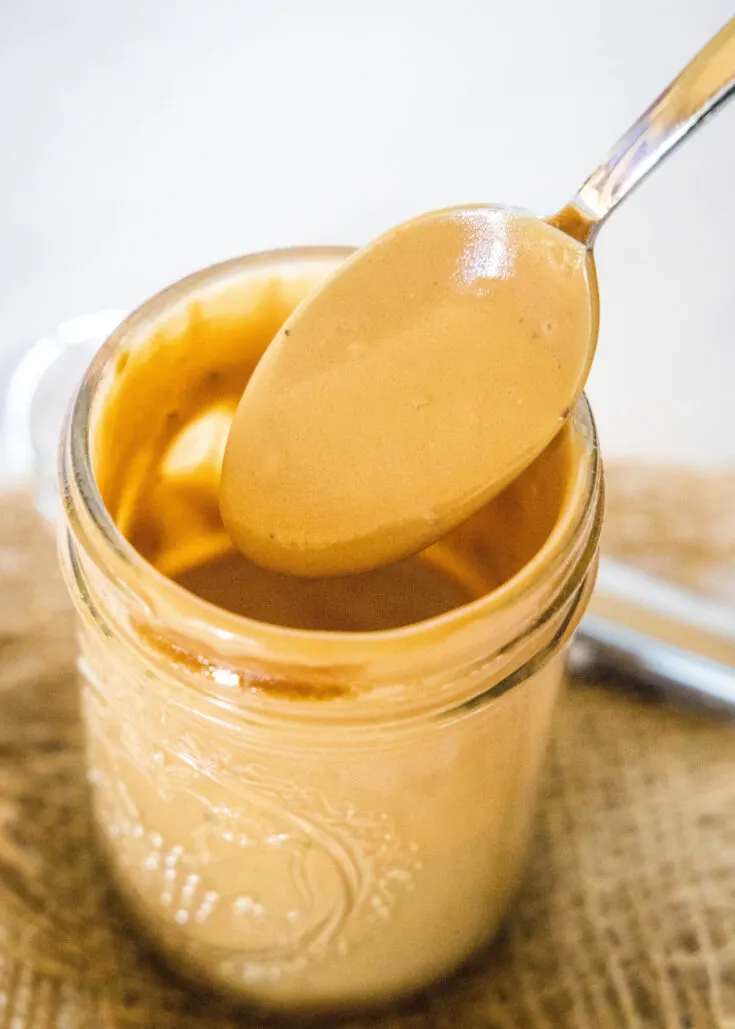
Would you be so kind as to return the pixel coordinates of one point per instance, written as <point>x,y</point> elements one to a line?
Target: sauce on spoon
<point>408,390</point>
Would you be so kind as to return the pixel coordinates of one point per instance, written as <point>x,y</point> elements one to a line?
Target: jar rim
<point>121,564</point>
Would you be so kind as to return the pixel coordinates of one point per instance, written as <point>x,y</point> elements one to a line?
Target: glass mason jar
<point>312,819</point>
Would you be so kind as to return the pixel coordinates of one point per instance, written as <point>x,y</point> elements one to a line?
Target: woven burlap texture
<point>627,915</point>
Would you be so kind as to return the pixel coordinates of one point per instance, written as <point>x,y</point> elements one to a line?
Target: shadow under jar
<point>313,794</point>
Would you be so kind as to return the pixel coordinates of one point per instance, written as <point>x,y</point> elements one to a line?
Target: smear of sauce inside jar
<point>409,390</point>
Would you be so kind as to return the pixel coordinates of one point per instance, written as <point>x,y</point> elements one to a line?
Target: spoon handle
<point>705,84</point>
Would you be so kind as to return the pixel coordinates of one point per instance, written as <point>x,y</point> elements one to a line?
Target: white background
<point>140,141</point>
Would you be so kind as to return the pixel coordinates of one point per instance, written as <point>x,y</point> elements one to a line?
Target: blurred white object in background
<point>37,382</point>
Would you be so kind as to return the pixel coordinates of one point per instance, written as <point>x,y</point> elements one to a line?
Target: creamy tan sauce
<point>160,443</point>
<point>408,390</point>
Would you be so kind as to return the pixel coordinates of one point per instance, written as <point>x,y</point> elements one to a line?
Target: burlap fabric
<point>627,916</point>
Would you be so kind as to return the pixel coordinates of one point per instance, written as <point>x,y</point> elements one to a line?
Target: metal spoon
<point>316,482</point>
<point>703,86</point>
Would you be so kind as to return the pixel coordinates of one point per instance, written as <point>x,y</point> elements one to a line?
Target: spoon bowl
<point>391,406</point>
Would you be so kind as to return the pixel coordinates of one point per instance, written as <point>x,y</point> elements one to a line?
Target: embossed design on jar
<point>262,876</point>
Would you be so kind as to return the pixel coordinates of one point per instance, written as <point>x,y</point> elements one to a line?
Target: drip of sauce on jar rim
<point>408,390</point>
